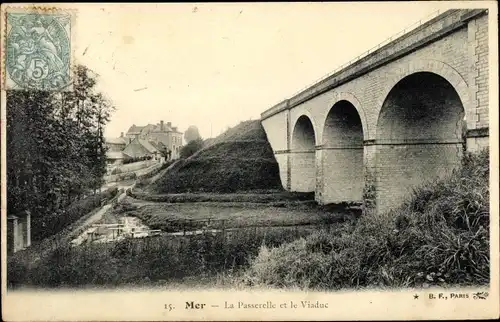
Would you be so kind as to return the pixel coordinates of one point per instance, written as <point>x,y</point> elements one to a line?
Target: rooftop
<point>115,140</point>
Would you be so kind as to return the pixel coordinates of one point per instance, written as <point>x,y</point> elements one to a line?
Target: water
<point>127,227</point>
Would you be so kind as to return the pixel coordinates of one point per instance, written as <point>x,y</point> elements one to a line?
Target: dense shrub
<point>52,224</point>
<point>151,259</point>
<point>137,159</point>
<point>191,148</point>
<point>440,236</point>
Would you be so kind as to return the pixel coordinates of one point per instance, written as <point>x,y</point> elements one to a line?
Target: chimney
<point>121,134</point>
<point>161,126</point>
<point>169,124</point>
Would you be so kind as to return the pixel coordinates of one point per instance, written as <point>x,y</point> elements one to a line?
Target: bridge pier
<point>369,174</point>
<point>303,171</point>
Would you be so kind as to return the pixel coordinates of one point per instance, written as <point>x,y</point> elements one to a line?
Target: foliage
<point>55,144</point>
<point>154,259</point>
<point>137,159</point>
<point>440,236</point>
<point>145,179</point>
<point>191,148</point>
<point>192,134</point>
<point>50,224</point>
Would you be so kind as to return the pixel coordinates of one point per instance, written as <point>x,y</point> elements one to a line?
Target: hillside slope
<point>239,159</point>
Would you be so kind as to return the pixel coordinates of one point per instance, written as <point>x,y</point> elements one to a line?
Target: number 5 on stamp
<point>38,52</point>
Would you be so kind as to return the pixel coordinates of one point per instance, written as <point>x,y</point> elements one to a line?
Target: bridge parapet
<point>425,33</point>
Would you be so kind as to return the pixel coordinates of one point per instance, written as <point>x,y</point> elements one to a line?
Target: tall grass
<point>149,260</point>
<point>440,236</point>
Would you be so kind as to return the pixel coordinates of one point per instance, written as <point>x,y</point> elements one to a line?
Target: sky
<point>215,65</point>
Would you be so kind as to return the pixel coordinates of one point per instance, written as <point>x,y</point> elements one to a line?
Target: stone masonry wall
<point>460,57</point>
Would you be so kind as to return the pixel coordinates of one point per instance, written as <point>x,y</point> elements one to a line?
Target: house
<point>116,144</point>
<point>141,148</point>
<point>114,158</point>
<point>18,232</point>
<point>162,132</point>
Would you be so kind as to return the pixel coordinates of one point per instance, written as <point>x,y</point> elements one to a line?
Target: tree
<point>191,148</point>
<point>55,146</point>
<point>191,134</point>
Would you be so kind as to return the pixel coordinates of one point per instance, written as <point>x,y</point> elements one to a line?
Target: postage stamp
<point>38,50</point>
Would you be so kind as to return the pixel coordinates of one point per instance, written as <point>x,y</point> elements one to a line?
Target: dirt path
<point>44,248</point>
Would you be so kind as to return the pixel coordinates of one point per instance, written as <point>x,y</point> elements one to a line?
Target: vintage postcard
<point>249,161</point>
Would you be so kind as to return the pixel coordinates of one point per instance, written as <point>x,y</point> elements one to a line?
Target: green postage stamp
<point>37,49</point>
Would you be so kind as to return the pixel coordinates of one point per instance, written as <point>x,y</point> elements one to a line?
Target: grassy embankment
<point>439,236</point>
<point>171,217</point>
<point>240,159</point>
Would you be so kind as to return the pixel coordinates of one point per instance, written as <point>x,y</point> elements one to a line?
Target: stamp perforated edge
<point>34,8</point>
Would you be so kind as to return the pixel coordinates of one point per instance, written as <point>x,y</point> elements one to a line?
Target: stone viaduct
<point>390,121</point>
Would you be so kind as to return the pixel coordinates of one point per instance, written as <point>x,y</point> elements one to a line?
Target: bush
<point>52,224</point>
<point>440,236</point>
<point>154,259</point>
<point>191,148</point>
<point>137,159</point>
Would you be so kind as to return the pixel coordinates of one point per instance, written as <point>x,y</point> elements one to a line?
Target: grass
<point>438,237</point>
<point>150,260</point>
<point>255,196</point>
<point>177,216</point>
<point>246,130</point>
<point>145,179</point>
<point>240,159</point>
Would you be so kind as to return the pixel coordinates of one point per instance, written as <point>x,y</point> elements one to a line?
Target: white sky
<point>220,64</point>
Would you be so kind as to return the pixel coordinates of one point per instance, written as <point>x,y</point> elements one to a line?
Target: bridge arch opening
<point>419,136</point>
<point>303,158</point>
<point>342,139</point>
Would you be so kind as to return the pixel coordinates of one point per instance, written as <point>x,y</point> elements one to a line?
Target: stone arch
<point>342,153</point>
<point>349,97</point>
<point>419,132</point>
<point>294,121</point>
<point>303,155</point>
<point>439,68</point>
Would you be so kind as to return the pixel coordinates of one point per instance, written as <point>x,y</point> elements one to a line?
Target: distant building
<point>162,133</point>
<point>115,146</point>
<point>159,141</point>
<point>139,148</point>
<point>114,157</point>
